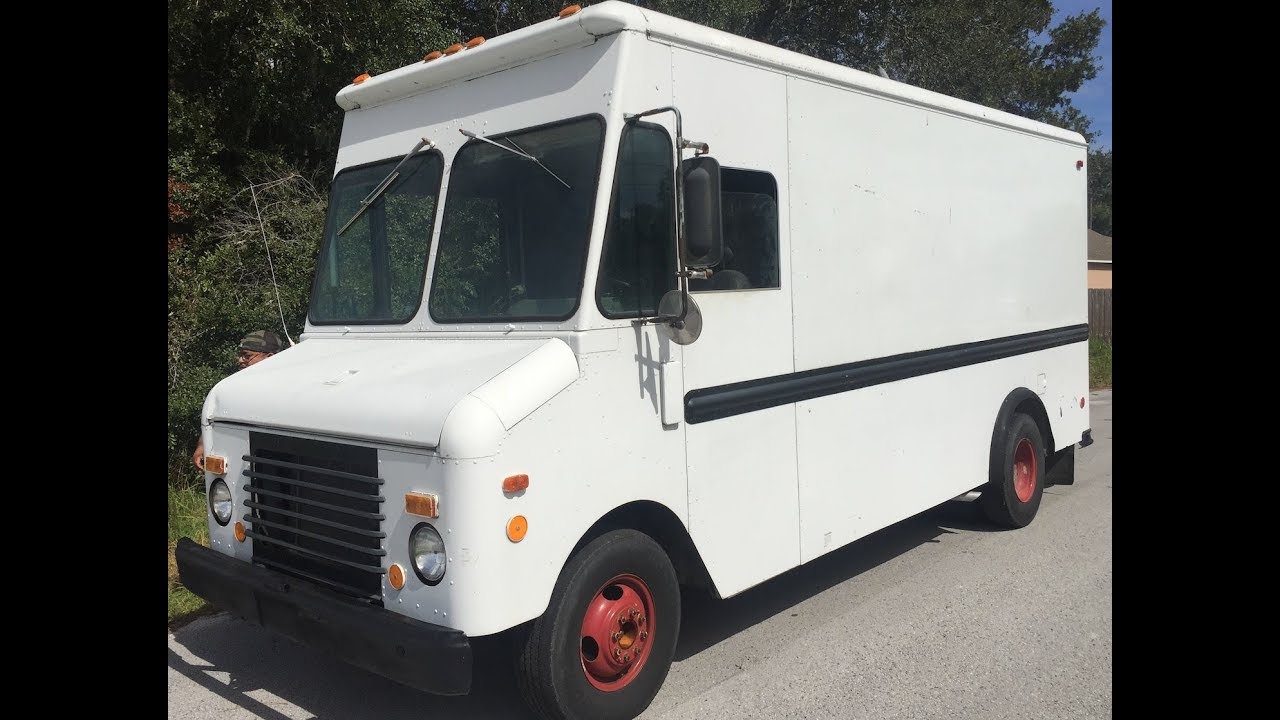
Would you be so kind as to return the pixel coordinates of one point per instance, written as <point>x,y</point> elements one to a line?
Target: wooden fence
<point>1100,314</point>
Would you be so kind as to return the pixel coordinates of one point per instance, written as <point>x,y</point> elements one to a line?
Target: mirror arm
<point>700,148</point>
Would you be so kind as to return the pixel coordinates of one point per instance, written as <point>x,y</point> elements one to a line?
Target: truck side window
<point>638,262</point>
<point>749,211</point>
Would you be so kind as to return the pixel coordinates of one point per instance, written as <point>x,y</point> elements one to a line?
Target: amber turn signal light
<point>515,483</point>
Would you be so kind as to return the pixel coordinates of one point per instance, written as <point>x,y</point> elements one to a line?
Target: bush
<point>218,296</point>
<point>1099,363</point>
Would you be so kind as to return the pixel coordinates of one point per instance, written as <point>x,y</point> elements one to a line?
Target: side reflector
<point>516,528</point>
<point>515,483</point>
<point>1079,164</point>
<point>453,48</point>
<point>239,531</point>
<point>424,504</point>
<point>477,40</point>
<point>432,56</point>
<point>1081,403</point>
<point>215,464</point>
<point>360,78</point>
<point>395,576</point>
<point>571,10</point>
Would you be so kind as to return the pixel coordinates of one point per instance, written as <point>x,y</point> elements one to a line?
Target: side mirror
<point>703,237</point>
<point>684,318</point>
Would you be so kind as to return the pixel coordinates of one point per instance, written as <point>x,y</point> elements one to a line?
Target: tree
<point>1100,191</point>
<point>219,295</point>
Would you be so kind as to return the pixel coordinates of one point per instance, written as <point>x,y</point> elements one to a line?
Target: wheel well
<point>660,523</point>
<point>1034,408</point>
<point>1021,400</point>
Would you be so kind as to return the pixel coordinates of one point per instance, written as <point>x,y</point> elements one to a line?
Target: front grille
<point>315,511</point>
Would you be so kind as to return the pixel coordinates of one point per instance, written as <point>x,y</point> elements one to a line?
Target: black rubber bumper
<point>421,655</point>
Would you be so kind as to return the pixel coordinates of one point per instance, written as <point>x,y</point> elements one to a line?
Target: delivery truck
<point>617,306</point>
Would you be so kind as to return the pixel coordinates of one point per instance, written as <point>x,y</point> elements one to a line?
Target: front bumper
<point>421,655</point>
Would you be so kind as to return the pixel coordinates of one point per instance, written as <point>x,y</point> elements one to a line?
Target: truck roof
<point>560,33</point>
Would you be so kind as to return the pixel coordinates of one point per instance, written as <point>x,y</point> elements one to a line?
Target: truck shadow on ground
<point>707,621</point>
<point>274,678</point>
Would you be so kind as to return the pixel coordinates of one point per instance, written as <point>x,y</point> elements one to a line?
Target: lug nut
<point>617,654</point>
<point>616,636</point>
<point>640,620</point>
<point>644,634</point>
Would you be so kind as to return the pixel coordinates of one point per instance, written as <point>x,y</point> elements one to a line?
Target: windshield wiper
<point>386,183</point>
<point>518,151</point>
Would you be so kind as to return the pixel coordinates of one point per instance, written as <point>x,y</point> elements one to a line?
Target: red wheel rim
<point>617,632</point>
<point>1024,470</point>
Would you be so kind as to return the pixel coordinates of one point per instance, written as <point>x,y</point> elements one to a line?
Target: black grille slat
<point>315,511</point>
<point>313,469</point>
<point>367,551</point>
<point>348,589</point>
<point>313,486</point>
<point>316,503</point>
<point>309,518</point>
<point>323,556</point>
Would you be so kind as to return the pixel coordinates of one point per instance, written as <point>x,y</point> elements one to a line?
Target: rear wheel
<point>1012,495</point>
<point>603,648</point>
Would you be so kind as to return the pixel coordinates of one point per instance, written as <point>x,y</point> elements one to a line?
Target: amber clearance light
<point>424,504</point>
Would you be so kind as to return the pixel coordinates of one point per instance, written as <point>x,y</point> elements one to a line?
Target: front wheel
<point>604,645</point>
<point>1011,497</point>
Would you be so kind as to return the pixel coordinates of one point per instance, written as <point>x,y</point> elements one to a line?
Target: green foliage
<point>1100,191</point>
<point>186,519</point>
<point>1099,363</point>
<point>219,295</point>
<point>267,71</point>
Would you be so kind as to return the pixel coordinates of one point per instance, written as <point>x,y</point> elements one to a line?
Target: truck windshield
<point>513,241</point>
<point>373,271</point>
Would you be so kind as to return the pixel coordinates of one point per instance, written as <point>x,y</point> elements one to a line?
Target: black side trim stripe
<point>721,401</point>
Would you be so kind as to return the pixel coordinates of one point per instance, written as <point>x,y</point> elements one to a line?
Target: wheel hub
<point>1024,470</point>
<point>616,630</point>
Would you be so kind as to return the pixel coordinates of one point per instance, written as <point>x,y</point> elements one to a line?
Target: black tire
<point>1001,501</point>
<point>550,669</point>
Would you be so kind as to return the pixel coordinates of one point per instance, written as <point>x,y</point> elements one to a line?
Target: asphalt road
<point>939,616</point>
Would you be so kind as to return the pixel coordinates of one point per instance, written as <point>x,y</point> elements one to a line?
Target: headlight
<point>426,549</point>
<point>220,502</point>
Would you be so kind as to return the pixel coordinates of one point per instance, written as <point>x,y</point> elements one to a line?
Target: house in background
<point>1099,261</point>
